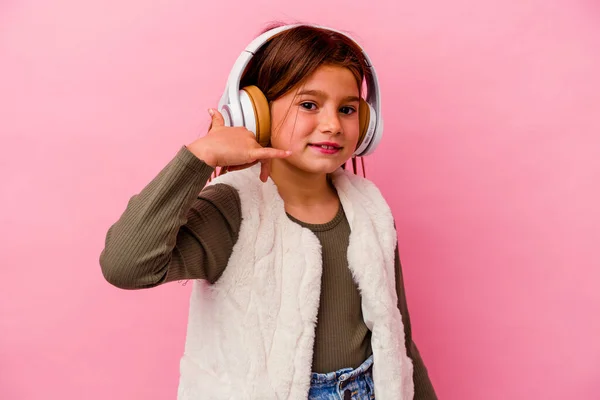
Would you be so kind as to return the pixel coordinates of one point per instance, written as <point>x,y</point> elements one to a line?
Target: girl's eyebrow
<point>322,94</point>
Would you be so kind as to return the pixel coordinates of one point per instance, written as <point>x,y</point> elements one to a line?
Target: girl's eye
<point>312,106</point>
<point>348,110</point>
<point>308,105</point>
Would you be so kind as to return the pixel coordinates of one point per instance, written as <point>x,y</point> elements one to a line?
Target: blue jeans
<point>345,384</point>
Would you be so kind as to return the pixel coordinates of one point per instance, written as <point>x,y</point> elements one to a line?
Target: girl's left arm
<point>423,388</point>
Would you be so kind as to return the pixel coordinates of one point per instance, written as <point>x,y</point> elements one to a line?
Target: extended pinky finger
<point>265,153</point>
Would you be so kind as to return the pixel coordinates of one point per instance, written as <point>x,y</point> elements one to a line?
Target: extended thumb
<point>217,118</point>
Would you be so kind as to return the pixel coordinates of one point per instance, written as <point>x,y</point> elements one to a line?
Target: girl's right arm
<point>168,232</point>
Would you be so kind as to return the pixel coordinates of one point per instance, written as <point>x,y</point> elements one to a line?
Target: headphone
<point>248,106</point>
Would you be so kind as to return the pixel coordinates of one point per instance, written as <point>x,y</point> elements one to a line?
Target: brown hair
<point>293,55</point>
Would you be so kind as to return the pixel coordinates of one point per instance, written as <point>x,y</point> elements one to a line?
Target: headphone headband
<point>231,96</point>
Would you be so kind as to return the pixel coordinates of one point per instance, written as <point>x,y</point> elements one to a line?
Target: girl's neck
<point>301,190</point>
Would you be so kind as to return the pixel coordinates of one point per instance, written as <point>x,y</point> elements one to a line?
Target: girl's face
<point>318,121</point>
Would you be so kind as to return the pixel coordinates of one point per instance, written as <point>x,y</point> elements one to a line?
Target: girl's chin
<point>319,168</point>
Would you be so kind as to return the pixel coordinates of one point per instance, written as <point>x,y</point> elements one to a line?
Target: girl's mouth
<point>325,148</point>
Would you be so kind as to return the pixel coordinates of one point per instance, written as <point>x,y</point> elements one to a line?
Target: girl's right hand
<point>233,147</point>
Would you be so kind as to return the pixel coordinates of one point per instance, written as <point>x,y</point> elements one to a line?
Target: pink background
<point>492,147</point>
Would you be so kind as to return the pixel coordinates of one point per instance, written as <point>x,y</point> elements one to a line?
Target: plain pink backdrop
<point>490,161</point>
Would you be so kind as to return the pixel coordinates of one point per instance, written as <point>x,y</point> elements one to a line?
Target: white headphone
<point>248,107</point>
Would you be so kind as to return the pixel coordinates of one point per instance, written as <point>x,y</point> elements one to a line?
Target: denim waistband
<point>342,374</point>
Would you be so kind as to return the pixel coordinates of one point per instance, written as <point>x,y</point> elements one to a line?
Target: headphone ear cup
<point>369,127</point>
<point>260,113</point>
<point>364,117</point>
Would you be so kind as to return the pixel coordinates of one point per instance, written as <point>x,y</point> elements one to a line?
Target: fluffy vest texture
<point>250,335</point>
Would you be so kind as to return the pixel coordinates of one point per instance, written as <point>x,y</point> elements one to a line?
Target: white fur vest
<point>250,334</point>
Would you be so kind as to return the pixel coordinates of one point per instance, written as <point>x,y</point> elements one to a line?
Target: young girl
<point>298,289</point>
